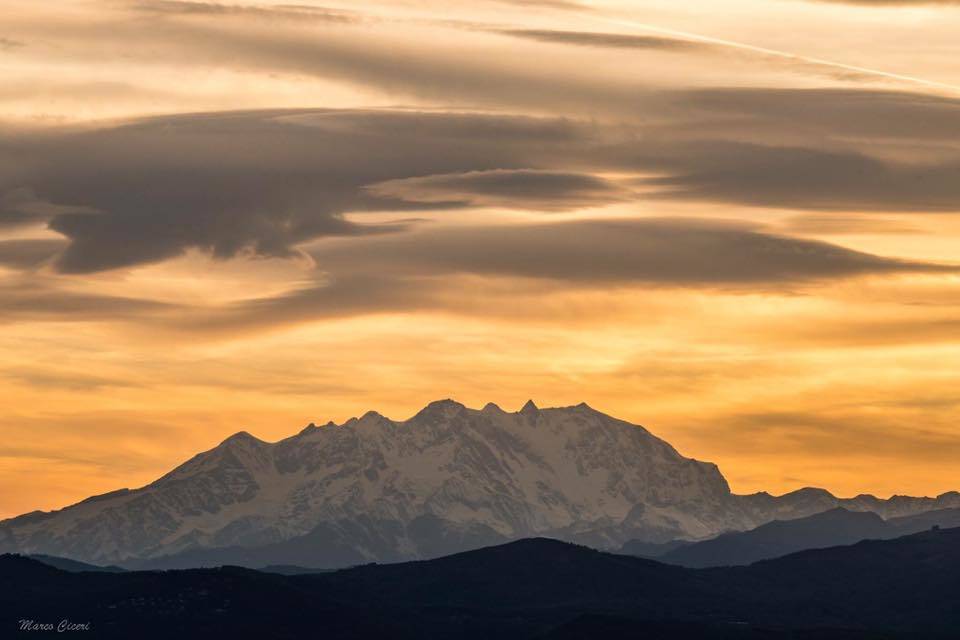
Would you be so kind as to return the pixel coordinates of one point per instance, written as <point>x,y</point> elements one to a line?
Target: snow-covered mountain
<point>448,479</point>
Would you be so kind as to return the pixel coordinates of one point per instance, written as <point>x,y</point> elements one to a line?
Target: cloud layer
<point>235,182</point>
<point>265,182</point>
<point>517,188</point>
<point>651,251</point>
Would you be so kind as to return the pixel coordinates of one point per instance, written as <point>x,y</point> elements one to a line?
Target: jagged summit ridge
<point>447,406</point>
<point>447,479</point>
<point>488,475</point>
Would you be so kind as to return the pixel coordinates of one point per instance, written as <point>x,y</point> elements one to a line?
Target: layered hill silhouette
<point>534,588</point>
<point>66,564</point>
<point>446,480</point>
<point>835,527</point>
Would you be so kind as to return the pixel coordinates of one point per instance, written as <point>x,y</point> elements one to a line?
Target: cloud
<point>29,253</point>
<point>523,188</point>
<point>834,113</point>
<point>13,218</point>
<point>432,267</point>
<point>31,297</point>
<point>453,68</point>
<point>287,11</point>
<point>258,182</point>
<point>264,183</point>
<point>21,207</point>
<point>792,177</point>
<point>878,333</point>
<point>847,224</point>
<point>685,252</point>
<point>606,40</point>
<point>552,4</point>
<point>398,66</point>
<point>839,432</point>
<point>8,44</point>
<point>70,380</point>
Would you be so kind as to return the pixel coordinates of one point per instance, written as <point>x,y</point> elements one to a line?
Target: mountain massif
<point>446,480</point>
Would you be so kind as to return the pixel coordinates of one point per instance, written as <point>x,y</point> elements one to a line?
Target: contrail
<point>772,52</point>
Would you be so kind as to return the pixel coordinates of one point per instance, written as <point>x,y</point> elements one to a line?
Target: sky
<point>734,222</point>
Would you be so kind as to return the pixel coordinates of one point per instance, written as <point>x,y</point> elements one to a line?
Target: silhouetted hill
<point>289,569</point>
<point>781,537</point>
<point>528,574</point>
<point>538,588</point>
<point>66,564</point>
<point>24,571</point>
<point>909,582</point>
<point>835,527</point>
<point>943,518</point>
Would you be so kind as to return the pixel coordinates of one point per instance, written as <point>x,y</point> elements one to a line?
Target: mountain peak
<point>446,402</point>
<point>445,407</point>
<point>307,429</point>
<point>242,438</point>
<point>530,409</point>
<point>809,492</point>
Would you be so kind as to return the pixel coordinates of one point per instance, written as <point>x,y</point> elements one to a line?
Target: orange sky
<point>732,222</point>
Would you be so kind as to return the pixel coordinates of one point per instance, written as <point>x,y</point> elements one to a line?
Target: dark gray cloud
<point>666,251</point>
<point>606,40</point>
<point>837,113</point>
<point>816,149</point>
<point>794,177</point>
<point>21,207</point>
<point>17,210</point>
<point>259,182</point>
<point>10,218</point>
<point>517,188</point>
